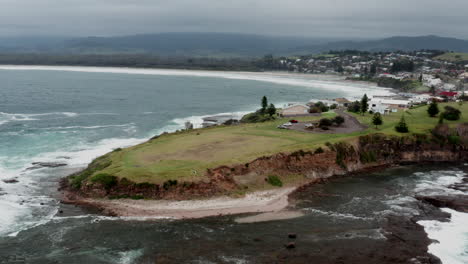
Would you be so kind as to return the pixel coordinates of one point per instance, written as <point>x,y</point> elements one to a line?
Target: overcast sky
<point>319,18</point>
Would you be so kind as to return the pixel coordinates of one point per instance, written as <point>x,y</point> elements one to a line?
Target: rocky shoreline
<point>367,153</point>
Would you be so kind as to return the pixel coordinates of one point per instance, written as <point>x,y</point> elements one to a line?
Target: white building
<point>295,110</point>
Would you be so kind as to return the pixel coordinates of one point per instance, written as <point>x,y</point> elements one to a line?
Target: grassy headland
<point>186,156</point>
<point>453,57</point>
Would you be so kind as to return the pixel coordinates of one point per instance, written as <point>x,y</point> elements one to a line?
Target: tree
<point>433,109</point>
<point>421,78</point>
<point>377,120</point>
<point>322,106</point>
<point>402,127</point>
<point>324,123</point>
<point>271,110</point>
<point>432,90</point>
<point>364,104</point>
<point>264,104</point>
<point>338,120</point>
<point>451,113</point>
<point>373,69</point>
<point>340,69</point>
<point>354,107</point>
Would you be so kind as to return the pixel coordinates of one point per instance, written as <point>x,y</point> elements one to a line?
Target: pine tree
<point>373,69</point>
<point>433,109</point>
<point>364,104</point>
<point>402,127</point>
<point>264,104</point>
<point>377,120</point>
<point>271,110</point>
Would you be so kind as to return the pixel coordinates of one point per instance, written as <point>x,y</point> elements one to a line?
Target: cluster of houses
<point>381,104</point>
<point>436,74</point>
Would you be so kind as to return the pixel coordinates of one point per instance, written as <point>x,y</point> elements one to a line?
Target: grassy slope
<point>417,119</point>
<point>186,156</point>
<point>453,56</point>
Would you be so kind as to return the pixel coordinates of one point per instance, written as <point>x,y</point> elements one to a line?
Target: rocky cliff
<point>304,167</point>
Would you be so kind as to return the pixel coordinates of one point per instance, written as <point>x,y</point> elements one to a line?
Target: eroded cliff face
<point>340,159</point>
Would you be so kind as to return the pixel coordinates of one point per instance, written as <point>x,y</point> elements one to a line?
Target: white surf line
<point>286,79</point>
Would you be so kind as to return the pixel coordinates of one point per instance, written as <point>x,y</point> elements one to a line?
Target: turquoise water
<point>75,116</point>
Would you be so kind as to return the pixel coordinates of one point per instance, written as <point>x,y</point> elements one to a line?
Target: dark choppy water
<point>73,117</point>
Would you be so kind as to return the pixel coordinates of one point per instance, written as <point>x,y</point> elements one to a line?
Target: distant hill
<point>218,45</point>
<point>393,44</point>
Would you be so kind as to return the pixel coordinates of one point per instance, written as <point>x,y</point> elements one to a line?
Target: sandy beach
<point>256,202</point>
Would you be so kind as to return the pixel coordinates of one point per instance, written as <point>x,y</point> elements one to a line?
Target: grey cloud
<point>331,18</point>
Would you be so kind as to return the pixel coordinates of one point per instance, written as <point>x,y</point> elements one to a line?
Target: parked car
<point>285,125</point>
<point>309,126</point>
<point>293,121</point>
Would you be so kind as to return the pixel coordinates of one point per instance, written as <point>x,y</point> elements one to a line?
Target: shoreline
<point>328,81</point>
<point>255,202</point>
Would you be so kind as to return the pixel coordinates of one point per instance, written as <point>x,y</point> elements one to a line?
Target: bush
<point>256,117</point>
<point>433,109</point>
<point>325,122</point>
<point>333,106</point>
<point>454,140</point>
<point>354,107</point>
<point>168,184</point>
<point>377,120</point>
<point>314,110</point>
<point>322,106</point>
<point>319,150</point>
<point>402,127</point>
<point>96,165</point>
<point>107,180</point>
<point>274,180</point>
<point>451,113</point>
<point>338,120</point>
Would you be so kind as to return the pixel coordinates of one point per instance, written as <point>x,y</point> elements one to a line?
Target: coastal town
<point>426,71</point>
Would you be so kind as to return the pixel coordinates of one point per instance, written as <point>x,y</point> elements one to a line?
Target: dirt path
<point>350,125</point>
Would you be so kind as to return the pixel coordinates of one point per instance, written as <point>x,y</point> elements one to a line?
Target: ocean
<point>72,115</point>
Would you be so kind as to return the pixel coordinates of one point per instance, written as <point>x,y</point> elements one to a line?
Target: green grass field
<point>185,156</point>
<point>453,56</point>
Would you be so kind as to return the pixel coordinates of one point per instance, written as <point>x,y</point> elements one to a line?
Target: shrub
<point>451,113</point>
<point>256,117</point>
<point>367,157</point>
<point>354,107</point>
<point>333,106</point>
<point>402,127</point>
<point>325,122</point>
<point>322,106</point>
<point>169,183</point>
<point>319,150</point>
<point>377,120</point>
<point>314,110</point>
<point>338,120</point>
<point>107,180</point>
<point>454,140</point>
<point>433,109</point>
<point>274,180</point>
<point>96,165</point>
<point>343,151</point>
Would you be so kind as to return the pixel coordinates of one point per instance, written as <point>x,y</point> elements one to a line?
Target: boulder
<point>39,165</point>
<point>10,181</point>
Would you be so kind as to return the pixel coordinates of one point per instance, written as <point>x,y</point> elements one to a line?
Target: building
<point>388,105</point>
<point>343,102</point>
<point>448,94</point>
<point>295,110</point>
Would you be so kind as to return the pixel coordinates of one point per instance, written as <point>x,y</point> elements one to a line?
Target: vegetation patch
<point>274,180</point>
<point>107,180</point>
